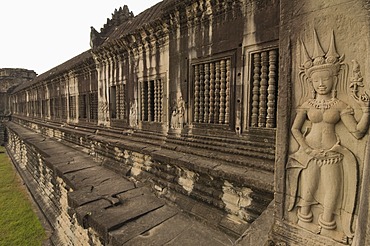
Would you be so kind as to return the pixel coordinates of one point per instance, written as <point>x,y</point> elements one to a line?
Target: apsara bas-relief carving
<point>178,114</point>
<point>322,173</point>
<point>133,114</point>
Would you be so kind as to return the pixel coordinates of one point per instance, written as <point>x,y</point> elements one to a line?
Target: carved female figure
<point>178,114</point>
<point>181,112</point>
<point>322,172</point>
<point>133,114</point>
<point>174,116</point>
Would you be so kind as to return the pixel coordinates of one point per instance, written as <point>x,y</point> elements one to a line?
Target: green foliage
<point>19,224</point>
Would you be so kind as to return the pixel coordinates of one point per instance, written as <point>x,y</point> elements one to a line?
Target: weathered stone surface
<point>103,207</point>
<point>106,189</point>
<point>143,224</point>
<point>114,217</point>
<point>256,233</point>
<point>318,31</point>
<point>179,230</point>
<point>90,177</point>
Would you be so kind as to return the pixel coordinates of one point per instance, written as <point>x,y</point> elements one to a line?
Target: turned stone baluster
<point>227,109</point>
<point>155,82</point>
<point>263,90</point>
<point>217,93</point>
<point>212,93</point>
<point>206,93</point>
<point>201,92</point>
<point>255,91</point>
<point>123,99</point>
<point>150,103</point>
<point>118,101</point>
<point>271,104</point>
<point>196,93</point>
<point>160,100</point>
<point>143,101</point>
<point>222,92</point>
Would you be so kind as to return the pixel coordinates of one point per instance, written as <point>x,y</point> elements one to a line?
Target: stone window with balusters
<point>152,100</point>
<point>212,91</point>
<point>263,89</point>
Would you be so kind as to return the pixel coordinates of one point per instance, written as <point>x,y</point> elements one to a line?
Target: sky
<point>41,34</point>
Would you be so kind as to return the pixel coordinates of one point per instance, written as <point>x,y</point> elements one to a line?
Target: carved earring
<point>313,94</point>
<point>334,93</point>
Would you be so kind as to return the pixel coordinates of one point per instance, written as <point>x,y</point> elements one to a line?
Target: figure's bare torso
<point>322,135</point>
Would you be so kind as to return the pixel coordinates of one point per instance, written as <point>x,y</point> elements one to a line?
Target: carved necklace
<point>323,104</point>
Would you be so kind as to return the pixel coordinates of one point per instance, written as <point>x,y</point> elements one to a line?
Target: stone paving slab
<point>178,231</point>
<point>83,212</point>
<point>197,235</point>
<point>88,177</point>
<point>108,188</point>
<point>140,191</point>
<point>173,228</point>
<point>137,227</point>
<point>76,164</point>
<point>58,158</point>
<point>114,217</point>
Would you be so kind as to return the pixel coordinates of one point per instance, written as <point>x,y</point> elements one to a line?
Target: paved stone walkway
<point>123,212</point>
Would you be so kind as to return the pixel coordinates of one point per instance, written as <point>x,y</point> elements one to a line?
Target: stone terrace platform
<point>87,203</point>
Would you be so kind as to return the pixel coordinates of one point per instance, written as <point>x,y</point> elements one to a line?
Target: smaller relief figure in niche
<point>178,114</point>
<point>133,114</point>
<point>174,115</point>
<point>322,173</point>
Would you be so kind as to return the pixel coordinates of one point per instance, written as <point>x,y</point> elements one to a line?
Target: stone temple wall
<point>222,107</point>
<point>10,78</point>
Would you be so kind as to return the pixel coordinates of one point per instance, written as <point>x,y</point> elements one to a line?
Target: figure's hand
<point>363,101</point>
<point>315,152</point>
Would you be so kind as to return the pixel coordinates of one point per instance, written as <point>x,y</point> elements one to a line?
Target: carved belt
<point>329,159</point>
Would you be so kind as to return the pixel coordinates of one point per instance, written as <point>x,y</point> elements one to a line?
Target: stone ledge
<point>106,202</point>
<point>165,165</point>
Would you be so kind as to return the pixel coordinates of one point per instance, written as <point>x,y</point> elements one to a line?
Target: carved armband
<point>365,110</point>
<point>301,110</point>
<point>347,110</point>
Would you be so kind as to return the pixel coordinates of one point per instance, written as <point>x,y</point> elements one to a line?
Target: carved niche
<point>178,114</point>
<point>322,171</point>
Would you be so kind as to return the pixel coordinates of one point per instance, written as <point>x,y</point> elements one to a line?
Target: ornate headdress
<point>330,61</point>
